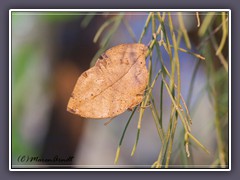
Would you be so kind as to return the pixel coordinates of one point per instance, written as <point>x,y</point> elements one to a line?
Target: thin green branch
<point>142,109</point>
<point>87,19</point>
<point>105,40</point>
<point>175,62</point>
<point>183,29</point>
<point>211,34</point>
<point>130,31</point>
<point>161,104</point>
<point>123,134</point>
<point>206,23</point>
<point>102,28</point>
<point>197,65</point>
<point>156,120</point>
<point>160,160</point>
<point>111,32</point>
<point>186,126</point>
<point>224,34</point>
<point>168,74</point>
<point>198,143</point>
<point>220,55</point>
<point>145,28</point>
<point>189,52</point>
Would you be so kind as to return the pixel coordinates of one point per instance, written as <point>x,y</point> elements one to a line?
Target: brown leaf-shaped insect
<point>115,84</point>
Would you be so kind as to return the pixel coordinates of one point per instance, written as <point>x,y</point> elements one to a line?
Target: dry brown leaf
<point>116,83</point>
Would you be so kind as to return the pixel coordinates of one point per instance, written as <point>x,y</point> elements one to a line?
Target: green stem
<point>123,134</point>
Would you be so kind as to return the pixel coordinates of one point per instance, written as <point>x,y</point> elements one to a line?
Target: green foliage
<point>179,108</point>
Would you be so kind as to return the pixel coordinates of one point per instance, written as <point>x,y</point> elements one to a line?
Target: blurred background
<point>50,50</point>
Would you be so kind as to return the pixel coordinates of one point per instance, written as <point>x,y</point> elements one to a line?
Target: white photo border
<point>75,167</point>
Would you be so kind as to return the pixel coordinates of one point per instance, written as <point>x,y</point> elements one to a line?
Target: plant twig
<point>143,104</point>
<point>224,34</point>
<point>183,29</point>
<point>123,134</point>
<point>198,19</point>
